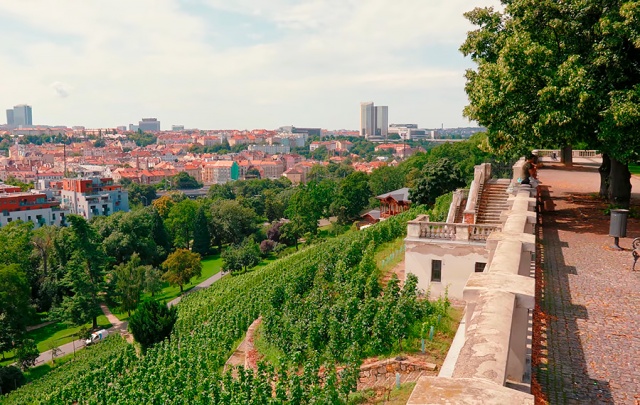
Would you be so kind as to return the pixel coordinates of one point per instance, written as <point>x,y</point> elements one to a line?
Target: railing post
<point>462,232</point>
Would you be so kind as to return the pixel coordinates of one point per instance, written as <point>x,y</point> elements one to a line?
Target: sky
<point>244,64</point>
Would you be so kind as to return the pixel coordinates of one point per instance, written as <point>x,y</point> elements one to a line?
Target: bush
<point>267,246</point>
<point>152,323</point>
<point>27,353</point>
<point>10,378</point>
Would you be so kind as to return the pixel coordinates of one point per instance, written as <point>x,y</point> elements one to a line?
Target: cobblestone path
<point>589,347</point>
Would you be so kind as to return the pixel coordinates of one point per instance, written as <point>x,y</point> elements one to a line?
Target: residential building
<point>149,125</point>
<point>91,197</point>
<point>220,172</point>
<point>35,207</point>
<point>271,149</point>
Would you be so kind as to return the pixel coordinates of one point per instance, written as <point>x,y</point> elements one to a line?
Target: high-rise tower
<point>374,121</point>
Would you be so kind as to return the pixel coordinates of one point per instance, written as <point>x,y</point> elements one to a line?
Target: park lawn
<point>57,334</point>
<point>634,169</point>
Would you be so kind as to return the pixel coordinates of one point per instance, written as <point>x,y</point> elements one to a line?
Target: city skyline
<point>208,64</point>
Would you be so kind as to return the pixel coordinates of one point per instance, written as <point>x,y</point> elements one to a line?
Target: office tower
<point>149,124</point>
<point>374,121</point>
<point>10,117</point>
<point>22,115</point>
<point>367,119</point>
<point>382,121</point>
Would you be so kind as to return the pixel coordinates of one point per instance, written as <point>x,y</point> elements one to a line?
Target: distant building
<point>149,125</point>
<point>220,172</point>
<point>90,197</point>
<point>374,121</point>
<point>20,115</point>
<point>382,121</point>
<point>177,127</point>
<point>133,127</point>
<point>34,207</point>
<point>271,149</point>
<point>10,117</point>
<point>367,119</point>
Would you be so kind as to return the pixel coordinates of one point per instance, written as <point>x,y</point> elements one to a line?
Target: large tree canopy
<point>555,73</point>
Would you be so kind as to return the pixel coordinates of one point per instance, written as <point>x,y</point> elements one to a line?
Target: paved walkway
<point>588,347</point>
<point>206,283</point>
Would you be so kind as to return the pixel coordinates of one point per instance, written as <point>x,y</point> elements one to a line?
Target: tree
<point>232,222</point>
<point>152,323</point>
<point>11,378</point>
<point>438,178</point>
<point>15,308</point>
<point>143,194</point>
<point>241,257</point>
<point>184,180</point>
<point>385,179</point>
<point>353,197</point>
<point>84,274</point>
<point>129,279</point>
<point>152,280</point>
<point>181,266</point>
<point>557,73</point>
<point>201,235</point>
<point>163,205</point>
<point>27,353</point>
<point>180,222</point>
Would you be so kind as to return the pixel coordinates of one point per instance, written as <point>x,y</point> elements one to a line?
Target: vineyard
<point>321,307</point>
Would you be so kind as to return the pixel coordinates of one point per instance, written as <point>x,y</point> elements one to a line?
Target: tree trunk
<point>605,170</point>
<point>566,155</point>
<point>95,322</point>
<point>180,289</point>
<point>619,184</point>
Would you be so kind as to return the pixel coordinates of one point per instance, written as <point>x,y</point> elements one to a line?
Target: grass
<point>634,169</point>
<point>383,255</point>
<point>397,396</point>
<point>55,334</point>
<point>271,353</point>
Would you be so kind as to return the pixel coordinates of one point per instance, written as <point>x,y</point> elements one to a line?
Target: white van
<point>97,336</point>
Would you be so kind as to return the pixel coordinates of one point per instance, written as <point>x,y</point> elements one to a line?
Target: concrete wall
<point>458,263</point>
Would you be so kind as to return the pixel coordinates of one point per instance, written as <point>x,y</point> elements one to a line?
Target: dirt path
<point>245,355</point>
<point>40,325</point>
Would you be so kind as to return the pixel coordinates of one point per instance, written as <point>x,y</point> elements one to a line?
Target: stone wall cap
<point>442,390</point>
<point>521,286</point>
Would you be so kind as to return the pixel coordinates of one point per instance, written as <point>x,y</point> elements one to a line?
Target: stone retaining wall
<point>385,369</point>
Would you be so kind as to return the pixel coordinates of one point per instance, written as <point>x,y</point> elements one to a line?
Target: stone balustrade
<point>493,337</point>
<point>481,173</point>
<point>422,228</point>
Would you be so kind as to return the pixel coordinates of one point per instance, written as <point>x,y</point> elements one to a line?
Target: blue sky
<point>214,64</point>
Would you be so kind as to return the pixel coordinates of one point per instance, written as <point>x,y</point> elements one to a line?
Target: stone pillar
<point>518,345</point>
<point>413,229</point>
<point>524,269</point>
<point>462,232</point>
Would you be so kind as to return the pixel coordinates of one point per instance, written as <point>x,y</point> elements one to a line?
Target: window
<point>436,270</point>
<point>480,267</point>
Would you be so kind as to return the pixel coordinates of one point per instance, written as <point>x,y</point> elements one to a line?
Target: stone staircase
<point>493,200</point>
<point>460,211</point>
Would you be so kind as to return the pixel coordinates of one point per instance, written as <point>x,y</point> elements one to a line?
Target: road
<point>118,326</point>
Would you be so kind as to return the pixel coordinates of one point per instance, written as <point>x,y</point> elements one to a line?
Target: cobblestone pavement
<point>589,297</point>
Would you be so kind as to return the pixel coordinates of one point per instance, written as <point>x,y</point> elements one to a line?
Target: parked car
<point>97,337</point>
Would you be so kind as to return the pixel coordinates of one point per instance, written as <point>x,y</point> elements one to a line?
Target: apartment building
<point>91,197</point>
<point>220,172</point>
<point>34,207</point>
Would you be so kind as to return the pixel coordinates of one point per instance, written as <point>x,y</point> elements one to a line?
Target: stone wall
<point>384,370</point>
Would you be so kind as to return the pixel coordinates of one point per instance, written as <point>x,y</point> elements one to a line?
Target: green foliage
<point>184,180</point>
<point>238,258</point>
<point>10,379</point>
<point>201,235</point>
<point>27,353</point>
<point>181,266</point>
<point>143,139</point>
<point>129,278</point>
<point>181,222</point>
<point>232,222</point>
<point>440,208</point>
<point>152,323</point>
<point>141,193</point>
<point>437,179</point>
<point>385,179</point>
<point>353,197</point>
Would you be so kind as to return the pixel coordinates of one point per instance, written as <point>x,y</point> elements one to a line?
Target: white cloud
<point>128,59</point>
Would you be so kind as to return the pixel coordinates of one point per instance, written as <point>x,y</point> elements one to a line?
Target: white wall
<point>458,262</point>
